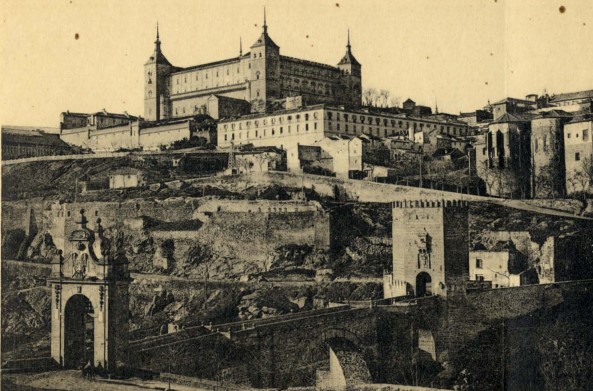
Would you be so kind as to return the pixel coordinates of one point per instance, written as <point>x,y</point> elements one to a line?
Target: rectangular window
<point>479,263</point>
<point>585,135</point>
<point>577,156</point>
<point>479,277</point>
<point>315,126</point>
<point>568,135</point>
<point>306,126</point>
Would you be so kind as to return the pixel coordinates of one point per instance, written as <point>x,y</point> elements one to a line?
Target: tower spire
<point>158,40</point>
<point>240,46</point>
<point>265,23</point>
<point>348,45</point>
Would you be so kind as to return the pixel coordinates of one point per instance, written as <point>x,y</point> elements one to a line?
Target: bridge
<point>272,352</point>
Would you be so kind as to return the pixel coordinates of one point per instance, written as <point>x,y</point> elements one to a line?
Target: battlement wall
<point>428,203</point>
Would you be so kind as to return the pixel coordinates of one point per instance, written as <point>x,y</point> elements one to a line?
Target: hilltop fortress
<point>260,77</point>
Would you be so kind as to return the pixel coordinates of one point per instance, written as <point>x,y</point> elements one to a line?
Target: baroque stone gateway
<point>89,312</point>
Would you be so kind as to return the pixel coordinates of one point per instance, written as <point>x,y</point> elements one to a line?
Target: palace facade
<point>259,77</point>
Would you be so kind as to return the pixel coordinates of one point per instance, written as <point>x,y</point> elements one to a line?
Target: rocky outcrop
<point>264,304</point>
<point>42,248</point>
<point>26,312</point>
<point>159,302</point>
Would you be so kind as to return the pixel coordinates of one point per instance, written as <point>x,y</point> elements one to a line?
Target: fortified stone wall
<point>251,236</point>
<point>255,235</point>
<point>363,191</point>
<point>468,314</point>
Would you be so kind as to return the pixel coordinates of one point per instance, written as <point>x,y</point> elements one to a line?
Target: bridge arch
<point>342,334</point>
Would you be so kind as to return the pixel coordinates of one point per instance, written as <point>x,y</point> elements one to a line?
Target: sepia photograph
<point>381,195</point>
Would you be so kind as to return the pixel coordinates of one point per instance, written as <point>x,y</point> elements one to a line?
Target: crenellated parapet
<point>430,204</point>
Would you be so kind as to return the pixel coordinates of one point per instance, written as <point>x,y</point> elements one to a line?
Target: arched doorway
<point>79,331</point>
<point>423,284</point>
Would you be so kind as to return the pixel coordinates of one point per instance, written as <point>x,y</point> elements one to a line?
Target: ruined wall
<point>249,236</point>
<point>255,235</point>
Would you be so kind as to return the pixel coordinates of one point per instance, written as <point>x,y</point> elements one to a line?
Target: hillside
<point>57,179</point>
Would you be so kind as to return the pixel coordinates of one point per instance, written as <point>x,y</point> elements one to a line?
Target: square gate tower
<point>430,248</point>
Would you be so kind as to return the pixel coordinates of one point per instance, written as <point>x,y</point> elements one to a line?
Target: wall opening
<point>79,332</point>
<point>423,284</point>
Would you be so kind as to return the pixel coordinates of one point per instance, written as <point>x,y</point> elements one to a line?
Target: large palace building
<point>259,77</point>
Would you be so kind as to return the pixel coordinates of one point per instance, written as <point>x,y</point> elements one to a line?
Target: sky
<point>86,56</point>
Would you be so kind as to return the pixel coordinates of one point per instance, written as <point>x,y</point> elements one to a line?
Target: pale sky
<point>458,52</point>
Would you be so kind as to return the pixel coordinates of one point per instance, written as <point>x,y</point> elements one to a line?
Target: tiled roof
<point>264,40</point>
<point>307,62</point>
<point>207,65</point>
<point>348,58</point>
<point>513,100</point>
<point>583,117</point>
<point>556,113</point>
<point>572,95</point>
<point>507,117</point>
<point>31,136</point>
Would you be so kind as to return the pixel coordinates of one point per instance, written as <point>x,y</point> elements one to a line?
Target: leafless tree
<point>394,101</point>
<point>244,164</point>
<point>384,94</point>
<point>265,158</point>
<point>370,96</point>
<point>439,171</point>
<point>489,177</point>
<point>587,170</point>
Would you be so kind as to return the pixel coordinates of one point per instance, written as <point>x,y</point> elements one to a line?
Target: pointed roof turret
<point>264,39</point>
<point>158,56</point>
<point>348,57</point>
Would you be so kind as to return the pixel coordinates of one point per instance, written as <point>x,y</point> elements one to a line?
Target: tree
<point>266,158</point>
<point>370,97</point>
<point>566,354</point>
<point>384,94</point>
<point>488,176</point>
<point>367,96</point>
<point>549,180</point>
<point>572,181</point>
<point>394,101</point>
<point>587,172</point>
<point>507,183</point>
<point>439,170</point>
